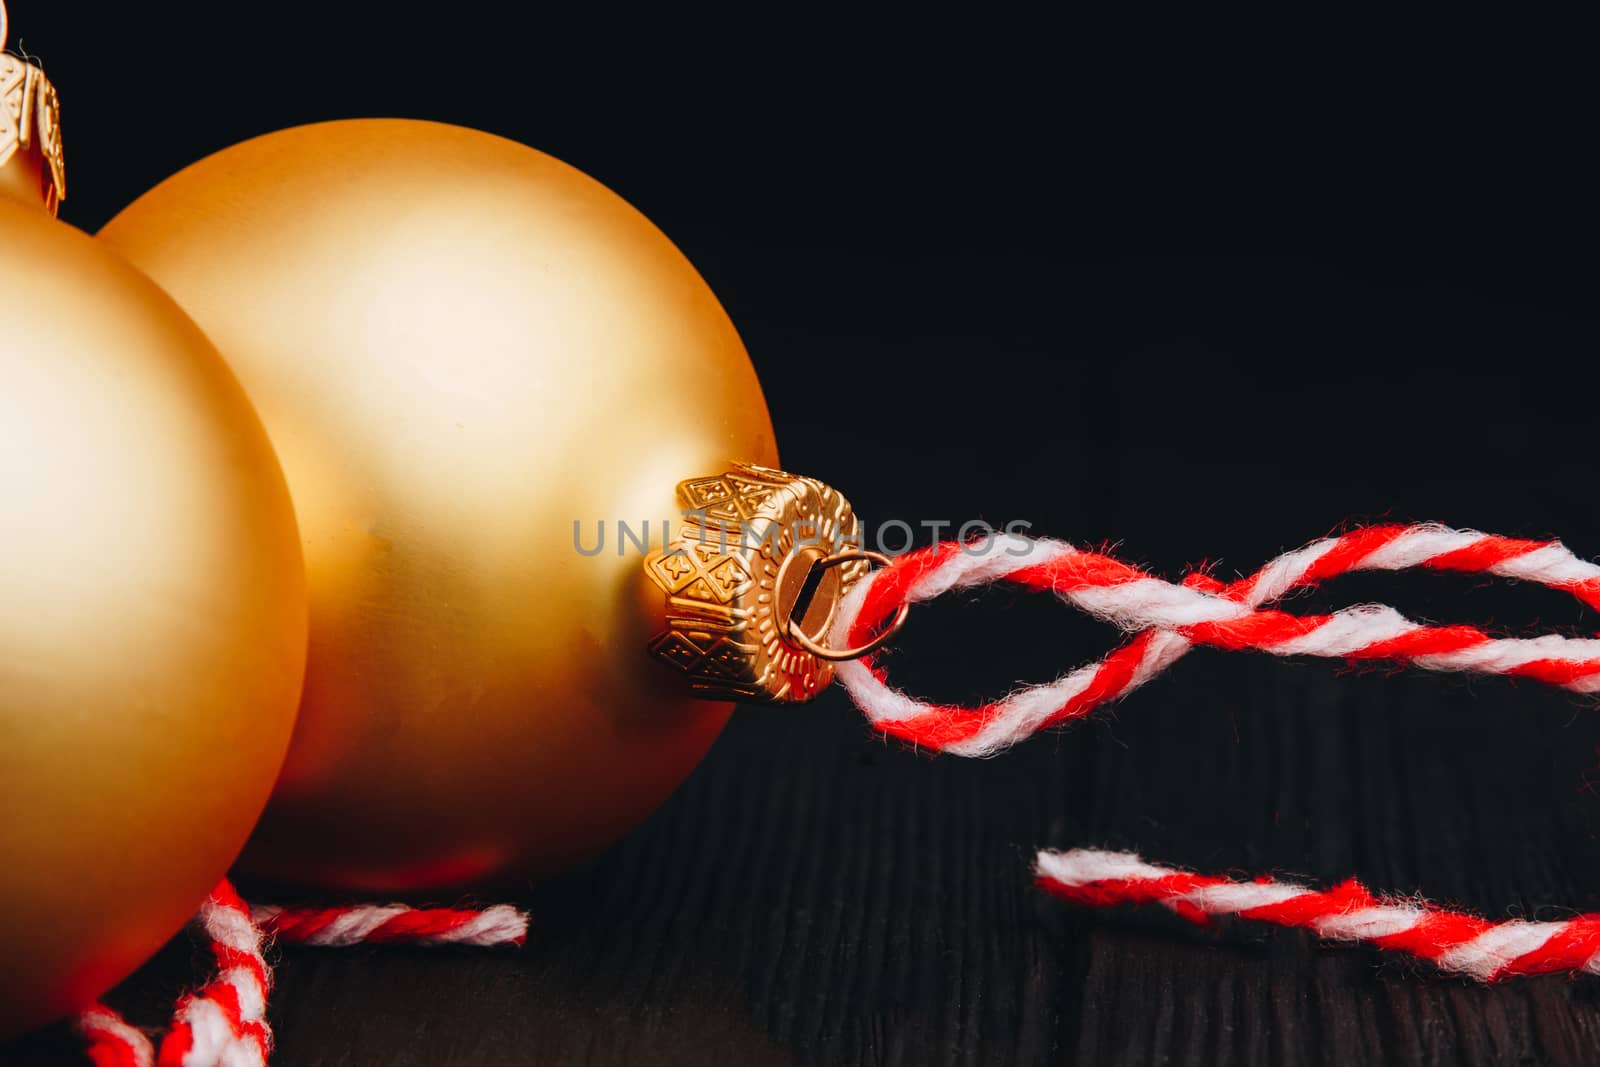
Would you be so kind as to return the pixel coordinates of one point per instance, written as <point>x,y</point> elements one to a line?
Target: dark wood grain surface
<point>1202,281</point>
<point>814,895</point>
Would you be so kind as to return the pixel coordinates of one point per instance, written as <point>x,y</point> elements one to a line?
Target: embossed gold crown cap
<point>752,579</point>
<point>30,129</point>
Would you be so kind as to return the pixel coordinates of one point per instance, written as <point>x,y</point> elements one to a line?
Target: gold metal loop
<point>799,637</point>
<point>3,25</point>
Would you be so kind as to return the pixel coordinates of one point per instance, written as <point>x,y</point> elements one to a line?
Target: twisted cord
<point>394,924</point>
<point>109,1040</point>
<point>1168,619</point>
<point>224,1024</point>
<point>1452,941</point>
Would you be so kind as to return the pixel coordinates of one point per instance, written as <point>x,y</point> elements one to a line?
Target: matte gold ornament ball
<point>461,347</point>
<point>152,602</point>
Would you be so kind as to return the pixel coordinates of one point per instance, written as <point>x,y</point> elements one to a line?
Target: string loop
<point>1167,619</point>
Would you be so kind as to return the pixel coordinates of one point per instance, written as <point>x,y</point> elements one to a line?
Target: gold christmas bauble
<point>152,606</point>
<point>462,348</point>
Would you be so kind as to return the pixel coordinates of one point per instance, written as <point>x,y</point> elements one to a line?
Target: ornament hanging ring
<point>800,637</point>
<point>3,26</point>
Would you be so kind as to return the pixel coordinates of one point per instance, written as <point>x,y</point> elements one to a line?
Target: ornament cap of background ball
<point>476,363</point>
<point>31,160</point>
<point>152,599</point>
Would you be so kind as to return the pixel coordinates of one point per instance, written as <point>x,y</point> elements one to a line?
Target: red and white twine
<point>109,1040</point>
<point>224,1023</point>
<point>394,924</point>
<point>1452,941</point>
<point>1168,619</point>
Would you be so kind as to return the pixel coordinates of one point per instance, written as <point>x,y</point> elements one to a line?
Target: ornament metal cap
<point>30,126</point>
<point>752,579</point>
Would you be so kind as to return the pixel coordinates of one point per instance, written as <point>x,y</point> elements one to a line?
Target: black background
<point>1204,280</point>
